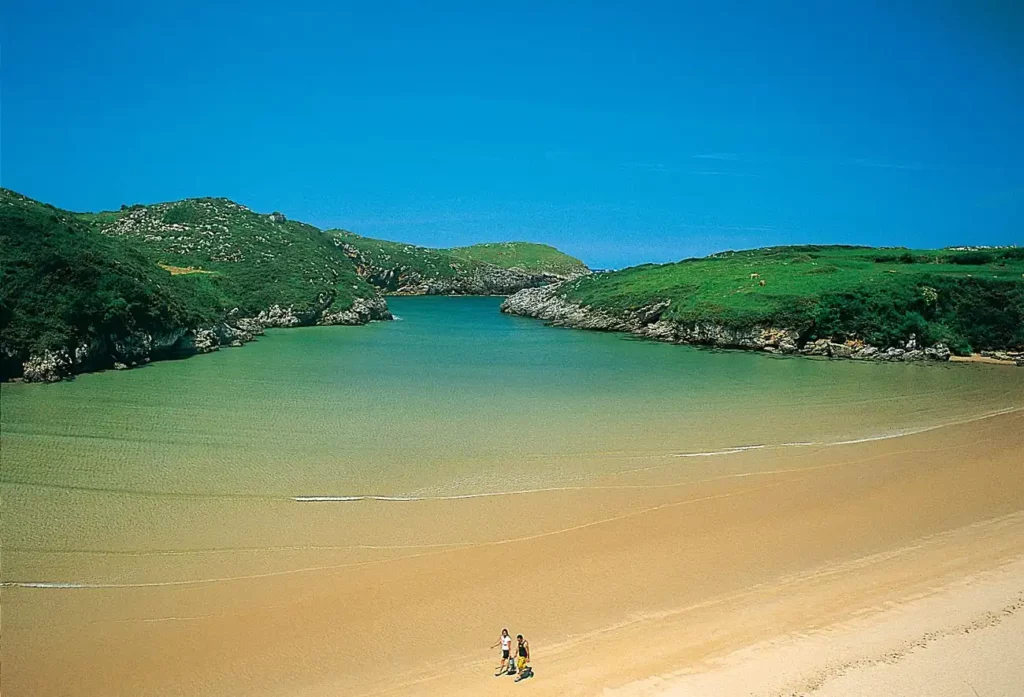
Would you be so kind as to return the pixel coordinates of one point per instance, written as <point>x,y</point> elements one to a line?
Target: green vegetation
<point>74,279</point>
<point>530,257</point>
<point>257,260</point>
<point>61,284</point>
<point>68,279</point>
<point>972,300</point>
<point>391,265</point>
<point>382,254</point>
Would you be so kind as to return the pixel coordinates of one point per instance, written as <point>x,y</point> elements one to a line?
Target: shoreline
<point>665,578</point>
<point>140,348</point>
<point>978,358</point>
<point>647,323</point>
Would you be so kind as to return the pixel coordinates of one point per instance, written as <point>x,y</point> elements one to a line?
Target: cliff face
<point>548,304</point>
<point>396,277</point>
<point>401,269</point>
<point>132,349</point>
<point>83,292</point>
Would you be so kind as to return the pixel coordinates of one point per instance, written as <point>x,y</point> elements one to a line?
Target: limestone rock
<point>205,341</point>
<point>839,350</point>
<point>816,348</point>
<point>548,304</point>
<point>50,366</point>
<point>363,310</point>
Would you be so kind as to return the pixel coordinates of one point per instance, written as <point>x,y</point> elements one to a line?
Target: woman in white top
<point>506,646</point>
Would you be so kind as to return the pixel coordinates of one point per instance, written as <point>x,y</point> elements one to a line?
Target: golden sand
<point>750,573</point>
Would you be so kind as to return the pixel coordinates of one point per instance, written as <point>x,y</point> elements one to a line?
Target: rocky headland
<point>883,304</point>
<point>134,349</point>
<point>548,304</point>
<point>118,289</point>
<point>479,279</point>
<point>405,269</point>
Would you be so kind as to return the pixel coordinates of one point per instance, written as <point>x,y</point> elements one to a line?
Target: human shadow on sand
<point>527,673</point>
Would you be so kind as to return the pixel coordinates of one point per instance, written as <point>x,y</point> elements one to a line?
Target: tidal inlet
<point>244,522</point>
<point>618,349</point>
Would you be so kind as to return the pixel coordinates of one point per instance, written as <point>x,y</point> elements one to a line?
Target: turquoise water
<point>454,398</point>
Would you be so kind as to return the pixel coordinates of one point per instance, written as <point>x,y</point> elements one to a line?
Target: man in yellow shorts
<point>523,659</point>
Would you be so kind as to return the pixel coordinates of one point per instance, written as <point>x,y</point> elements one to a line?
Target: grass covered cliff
<point>968,300</point>
<point>483,269</point>
<point>251,260</point>
<point>87,291</point>
<point>525,256</point>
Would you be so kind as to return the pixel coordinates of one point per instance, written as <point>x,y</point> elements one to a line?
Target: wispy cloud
<point>662,168</point>
<point>812,161</point>
<point>722,156</point>
<point>713,173</point>
<point>645,166</point>
<point>729,228</point>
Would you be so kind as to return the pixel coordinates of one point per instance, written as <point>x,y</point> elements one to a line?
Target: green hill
<point>87,291</point>
<point>486,269</point>
<point>61,284</point>
<point>968,299</point>
<point>527,256</point>
<point>254,261</point>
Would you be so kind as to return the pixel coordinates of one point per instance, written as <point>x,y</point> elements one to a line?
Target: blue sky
<point>620,132</point>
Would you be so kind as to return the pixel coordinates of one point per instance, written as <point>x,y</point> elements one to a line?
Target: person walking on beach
<point>506,645</point>
<point>523,659</point>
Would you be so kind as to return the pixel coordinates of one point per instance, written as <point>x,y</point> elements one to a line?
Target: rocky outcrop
<point>49,366</point>
<point>138,348</point>
<point>1016,357</point>
<point>363,310</point>
<point>464,279</point>
<point>548,304</point>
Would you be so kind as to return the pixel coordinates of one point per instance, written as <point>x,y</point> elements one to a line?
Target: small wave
<point>44,584</point>
<point>366,497</point>
<point>724,451</point>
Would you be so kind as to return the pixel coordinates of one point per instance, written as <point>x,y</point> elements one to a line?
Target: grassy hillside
<point>968,299</point>
<point>90,287</point>
<point>60,282</point>
<point>505,267</point>
<point>435,263</point>
<point>251,260</point>
<point>534,258</point>
<point>98,289</point>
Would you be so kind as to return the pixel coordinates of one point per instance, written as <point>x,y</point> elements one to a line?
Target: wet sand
<point>759,572</point>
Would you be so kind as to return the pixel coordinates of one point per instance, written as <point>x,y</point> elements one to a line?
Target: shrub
<point>975,258</point>
<point>181,214</point>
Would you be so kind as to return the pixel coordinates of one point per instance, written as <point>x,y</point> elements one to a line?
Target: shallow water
<point>453,399</point>
<point>151,514</point>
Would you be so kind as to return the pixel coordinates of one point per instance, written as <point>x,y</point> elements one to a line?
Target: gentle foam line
<point>333,567</point>
<point>728,451</point>
<point>388,498</point>
<point>712,453</point>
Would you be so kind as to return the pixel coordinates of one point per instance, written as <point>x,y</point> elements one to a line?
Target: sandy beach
<point>796,570</point>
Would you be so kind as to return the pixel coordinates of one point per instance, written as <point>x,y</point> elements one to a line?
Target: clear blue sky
<point>622,133</point>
